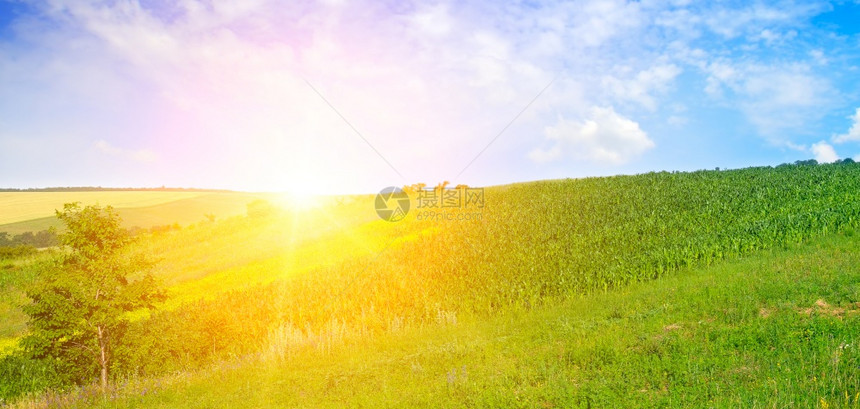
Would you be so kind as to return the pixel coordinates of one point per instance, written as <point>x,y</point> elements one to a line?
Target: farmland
<point>779,328</point>
<point>564,292</point>
<point>34,211</point>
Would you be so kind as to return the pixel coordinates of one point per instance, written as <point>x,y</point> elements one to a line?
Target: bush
<point>20,376</point>
<point>20,250</point>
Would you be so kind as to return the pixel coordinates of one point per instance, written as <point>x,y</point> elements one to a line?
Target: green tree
<point>78,312</point>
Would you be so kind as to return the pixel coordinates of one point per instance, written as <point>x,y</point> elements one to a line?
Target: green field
<point>775,329</point>
<point>713,288</point>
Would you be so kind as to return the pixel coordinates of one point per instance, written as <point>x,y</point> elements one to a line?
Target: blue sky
<point>344,96</point>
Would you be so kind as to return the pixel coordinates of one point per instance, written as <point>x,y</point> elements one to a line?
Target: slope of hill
<point>779,328</point>
<point>304,284</point>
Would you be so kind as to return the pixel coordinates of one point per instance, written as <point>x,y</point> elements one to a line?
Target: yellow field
<point>211,259</point>
<point>22,206</point>
<point>34,211</point>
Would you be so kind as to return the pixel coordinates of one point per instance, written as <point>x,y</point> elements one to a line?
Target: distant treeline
<point>813,162</point>
<point>137,230</point>
<point>48,238</point>
<point>113,189</point>
<point>42,239</point>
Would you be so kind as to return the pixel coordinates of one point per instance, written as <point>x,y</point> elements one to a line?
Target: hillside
<point>34,211</point>
<point>775,329</point>
<point>310,286</point>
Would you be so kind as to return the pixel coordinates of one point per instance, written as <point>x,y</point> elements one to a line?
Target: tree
<point>24,238</point>
<point>440,187</point>
<point>78,312</point>
<point>44,238</point>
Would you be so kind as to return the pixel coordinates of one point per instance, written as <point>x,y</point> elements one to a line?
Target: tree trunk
<point>103,359</point>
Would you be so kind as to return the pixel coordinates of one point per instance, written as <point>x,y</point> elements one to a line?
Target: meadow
<point>723,288</point>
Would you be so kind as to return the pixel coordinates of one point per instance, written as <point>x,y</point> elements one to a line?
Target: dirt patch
<point>821,307</point>
<point>672,327</point>
<point>765,312</point>
<point>744,369</point>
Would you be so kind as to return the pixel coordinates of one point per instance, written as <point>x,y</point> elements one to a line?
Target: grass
<point>230,263</point>
<point>14,276</point>
<point>780,328</point>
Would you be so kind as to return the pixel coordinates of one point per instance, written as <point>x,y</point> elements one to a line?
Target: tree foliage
<point>78,312</point>
<point>41,239</point>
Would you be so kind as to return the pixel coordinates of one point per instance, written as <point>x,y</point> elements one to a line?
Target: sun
<point>300,200</point>
<point>300,196</point>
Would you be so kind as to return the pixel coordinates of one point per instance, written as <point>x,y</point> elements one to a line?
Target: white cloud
<point>771,37</point>
<point>548,155</point>
<point>824,152</point>
<point>597,22</point>
<point>140,155</point>
<point>604,137</point>
<point>641,87</point>
<point>684,22</point>
<point>433,20</point>
<point>720,73</point>
<point>853,134</point>
<point>795,146</point>
<point>784,88</point>
<point>792,85</point>
<point>755,19</point>
<point>224,83</point>
<point>677,120</point>
<point>773,97</point>
<point>819,57</point>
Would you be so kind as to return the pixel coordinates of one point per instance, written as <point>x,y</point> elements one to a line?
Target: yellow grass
<point>7,345</point>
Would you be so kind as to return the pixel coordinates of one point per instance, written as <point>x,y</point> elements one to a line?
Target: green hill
<point>776,329</point>
<point>545,294</point>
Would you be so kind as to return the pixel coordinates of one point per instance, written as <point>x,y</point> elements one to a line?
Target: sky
<point>339,96</point>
